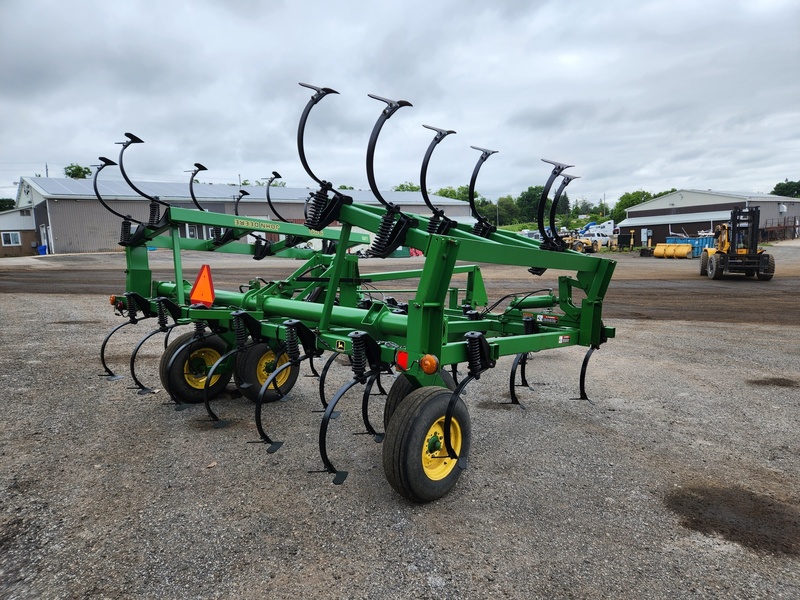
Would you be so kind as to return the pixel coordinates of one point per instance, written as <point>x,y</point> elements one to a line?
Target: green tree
<point>74,171</point>
<point>627,200</point>
<point>664,193</point>
<point>528,203</point>
<point>406,186</point>
<point>345,187</point>
<point>462,193</point>
<point>790,189</point>
<point>507,210</point>
<point>6,204</point>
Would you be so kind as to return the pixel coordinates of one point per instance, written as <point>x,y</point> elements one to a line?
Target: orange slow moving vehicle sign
<point>203,288</point>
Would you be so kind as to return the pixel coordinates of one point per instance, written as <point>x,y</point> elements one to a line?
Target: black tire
<point>186,380</point>
<point>401,388</point>
<point>578,247</point>
<point>704,264</point>
<point>414,457</point>
<point>715,266</point>
<point>256,364</point>
<point>769,270</point>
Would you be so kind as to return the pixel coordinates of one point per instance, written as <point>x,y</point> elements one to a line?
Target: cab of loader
<point>736,248</point>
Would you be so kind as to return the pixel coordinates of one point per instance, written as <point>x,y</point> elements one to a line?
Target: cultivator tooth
<point>262,335</point>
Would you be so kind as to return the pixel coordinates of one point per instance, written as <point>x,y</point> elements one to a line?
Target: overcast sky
<point>637,95</point>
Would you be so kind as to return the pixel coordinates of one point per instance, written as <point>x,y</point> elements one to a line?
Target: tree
<point>528,203</point>
<point>790,189</point>
<point>406,186</point>
<point>6,204</point>
<point>341,187</point>
<point>462,193</point>
<point>507,210</point>
<point>74,171</point>
<point>627,200</point>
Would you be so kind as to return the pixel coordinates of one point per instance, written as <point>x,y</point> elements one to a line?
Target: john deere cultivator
<point>435,344</point>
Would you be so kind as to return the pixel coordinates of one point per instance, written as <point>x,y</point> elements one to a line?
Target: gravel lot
<point>682,480</point>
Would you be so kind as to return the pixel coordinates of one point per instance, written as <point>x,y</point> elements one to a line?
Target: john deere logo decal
<point>340,345</point>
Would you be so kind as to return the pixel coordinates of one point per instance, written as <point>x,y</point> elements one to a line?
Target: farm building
<point>691,211</point>
<point>17,233</point>
<point>67,217</point>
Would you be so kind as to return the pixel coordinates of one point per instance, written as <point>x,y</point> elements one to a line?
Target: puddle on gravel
<point>755,521</point>
<point>776,381</point>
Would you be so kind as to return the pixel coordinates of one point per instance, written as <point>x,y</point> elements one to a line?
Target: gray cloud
<point>651,95</point>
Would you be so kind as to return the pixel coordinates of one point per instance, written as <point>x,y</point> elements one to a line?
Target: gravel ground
<point>681,480</point>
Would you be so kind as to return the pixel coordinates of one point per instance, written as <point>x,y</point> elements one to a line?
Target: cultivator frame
<point>298,318</point>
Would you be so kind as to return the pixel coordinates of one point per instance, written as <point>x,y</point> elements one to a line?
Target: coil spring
<point>132,312</point>
<point>125,232</point>
<point>292,344</point>
<point>240,330</point>
<point>315,208</point>
<point>474,353</point>
<point>482,229</point>
<point>155,214</point>
<point>382,237</point>
<point>433,224</point>
<point>359,356</point>
<point>216,233</point>
<point>162,314</point>
<point>528,325</point>
<point>199,328</point>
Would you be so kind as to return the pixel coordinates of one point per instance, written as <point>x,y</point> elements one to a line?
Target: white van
<point>603,241</point>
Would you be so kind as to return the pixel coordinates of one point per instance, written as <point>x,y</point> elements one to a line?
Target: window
<point>11,238</point>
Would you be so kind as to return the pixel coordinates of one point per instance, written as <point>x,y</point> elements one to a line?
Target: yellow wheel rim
<point>435,461</point>
<point>267,364</point>
<point>199,363</point>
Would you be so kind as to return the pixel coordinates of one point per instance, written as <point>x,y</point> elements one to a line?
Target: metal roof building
<point>691,211</point>
<point>69,218</point>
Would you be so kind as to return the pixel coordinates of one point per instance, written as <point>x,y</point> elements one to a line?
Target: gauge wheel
<point>401,388</point>
<point>704,264</point>
<point>186,379</point>
<point>415,459</point>
<point>769,270</point>
<point>256,364</point>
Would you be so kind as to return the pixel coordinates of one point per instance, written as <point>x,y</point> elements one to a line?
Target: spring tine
<point>557,239</point>
<point>557,169</point>
<point>340,476</point>
<point>392,106</point>
<point>519,359</point>
<point>323,376</point>
<point>320,94</point>
<point>143,389</point>
<point>109,374</point>
<point>197,168</point>
<point>365,407</point>
<point>583,375</point>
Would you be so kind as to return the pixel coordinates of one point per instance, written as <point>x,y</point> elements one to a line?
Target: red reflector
<point>203,288</point>
<point>401,360</point>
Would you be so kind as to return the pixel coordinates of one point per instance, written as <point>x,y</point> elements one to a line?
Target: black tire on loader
<point>715,266</point>
<point>704,264</point>
<point>769,271</point>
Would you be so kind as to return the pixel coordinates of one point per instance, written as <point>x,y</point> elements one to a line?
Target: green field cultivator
<point>433,345</point>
